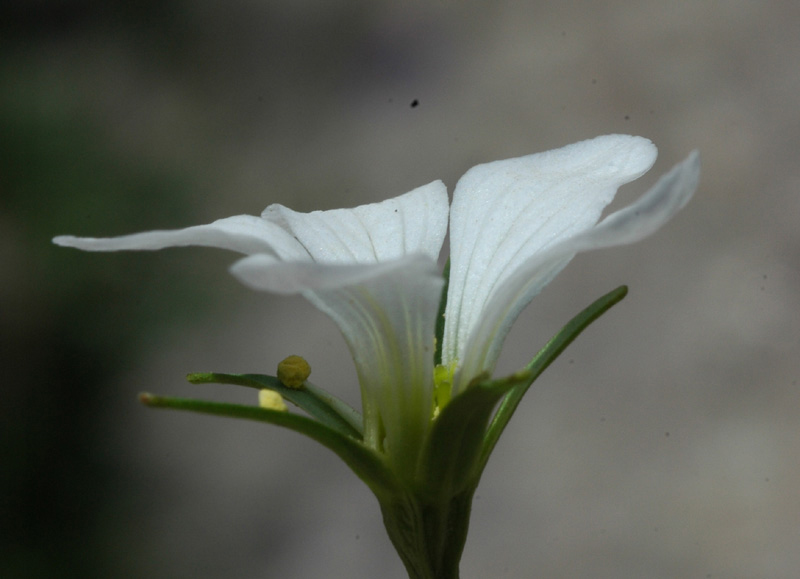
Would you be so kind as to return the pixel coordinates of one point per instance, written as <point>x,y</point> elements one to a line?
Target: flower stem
<point>429,535</point>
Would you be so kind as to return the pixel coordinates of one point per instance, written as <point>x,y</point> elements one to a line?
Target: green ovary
<point>442,386</point>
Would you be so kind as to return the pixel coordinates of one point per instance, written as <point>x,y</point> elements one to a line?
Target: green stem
<point>429,535</point>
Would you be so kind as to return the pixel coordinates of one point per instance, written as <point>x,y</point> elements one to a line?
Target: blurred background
<point>665,443</point>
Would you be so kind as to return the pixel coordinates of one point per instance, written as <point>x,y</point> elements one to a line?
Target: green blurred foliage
<point>69,320</point>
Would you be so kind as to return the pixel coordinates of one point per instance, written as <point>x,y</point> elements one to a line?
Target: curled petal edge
<point>642,218</point>
<point>506,212</point>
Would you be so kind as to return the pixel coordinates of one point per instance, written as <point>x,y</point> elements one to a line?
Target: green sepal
<point>320,404</point>
<point>367,464</point>
<point>456,439</point>
<point>541,361</point>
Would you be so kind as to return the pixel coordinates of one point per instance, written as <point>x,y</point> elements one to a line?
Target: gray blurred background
<point>665,443</point>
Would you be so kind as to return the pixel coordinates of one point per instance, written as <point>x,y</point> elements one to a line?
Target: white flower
<point>514,225</point>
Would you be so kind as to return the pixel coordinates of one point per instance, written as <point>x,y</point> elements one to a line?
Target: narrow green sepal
<point>320,404</point>
<point>455,441</point>
<point>541,361</point>
<point>368,465</point>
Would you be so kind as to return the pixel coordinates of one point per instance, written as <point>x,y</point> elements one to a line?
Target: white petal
<point>267,273</point>
<point>243,233</point>
<point>387,313</point>
<point>412,223</point>
<point>633,223</point>
<point>372,269</point>
<point>389,323</point>
<point>505,212</point>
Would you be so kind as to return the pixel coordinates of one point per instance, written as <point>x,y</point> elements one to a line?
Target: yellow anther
<point>271,400</point>
<point>293,371</point>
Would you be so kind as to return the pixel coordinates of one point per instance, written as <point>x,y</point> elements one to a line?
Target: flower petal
<point>415,222</point>
<point>243,233</point>
<point>505,212</point>
<point>372,269</point>
<point>412,223</point>
<point>633,223</point>
<point>266,273</point>
<point>387,313</point>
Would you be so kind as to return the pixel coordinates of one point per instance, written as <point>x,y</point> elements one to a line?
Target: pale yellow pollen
<point>271,400</point>
<point>293,371</point>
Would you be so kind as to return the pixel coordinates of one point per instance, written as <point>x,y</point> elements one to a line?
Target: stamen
<point>271,400</point>
<point>293,371</point>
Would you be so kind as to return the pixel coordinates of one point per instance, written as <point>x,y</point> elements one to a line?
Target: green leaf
<point>437,355</point>
<point>367,464</point>
<point>320,404</point>
<point>456,438</point>
<point>541,361</point>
